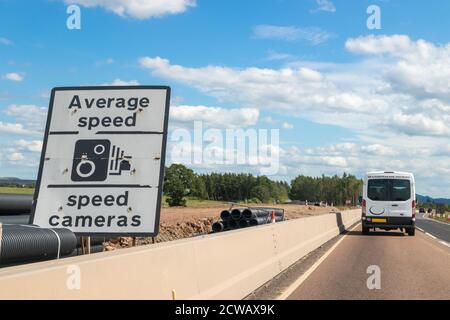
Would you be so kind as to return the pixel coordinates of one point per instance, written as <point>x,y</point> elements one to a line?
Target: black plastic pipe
<point>251,213</point>
<point>225,215</point>
<point>12,204</point>
<point>233,224</point>
<point>243,223</point>
<point>258,221</point>
<point>95,240</point>
<point>236,214</point>
<point>21,219</point>
<point>278,212</point>
<point>94,249</point>
<point>22,244</point>
<point>218,226</point>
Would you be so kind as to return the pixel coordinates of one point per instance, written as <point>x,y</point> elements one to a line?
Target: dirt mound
<point>168,231</point>
<point>180,222</point>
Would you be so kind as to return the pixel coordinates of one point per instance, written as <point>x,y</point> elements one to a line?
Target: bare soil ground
<point>184,222</point>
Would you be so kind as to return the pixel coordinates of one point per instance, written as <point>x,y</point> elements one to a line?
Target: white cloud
<point>16,156</point>
<point>29,119</point>
<point>395,99</point>
<point>32,146</point>
<point>14,128</point>
<point>5,41</point>
<point>13,76</point>
<point>277,56</point>
<point>290,33</point>
<point>416,124</point>
<point>105,62</point>
<point>419,68</point>
<point>214,116</point>
<point>139,9</point>
<point>31,115</point>
<point>119,82</point>
<point>301,89</point>
<point>287,125</point>
<point>379,150</point>
<point>379,90</point>
<point>325,5</point>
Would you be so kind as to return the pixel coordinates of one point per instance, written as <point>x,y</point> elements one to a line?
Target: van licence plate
<point>379,220</point>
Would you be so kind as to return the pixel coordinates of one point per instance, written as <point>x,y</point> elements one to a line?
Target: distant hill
<point>427,199</point>
<point>15,181</point>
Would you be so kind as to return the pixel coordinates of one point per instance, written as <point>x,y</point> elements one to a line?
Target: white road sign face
<point>102,162</point>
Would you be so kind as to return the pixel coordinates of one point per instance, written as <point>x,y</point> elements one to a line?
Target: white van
<point>389,202</point>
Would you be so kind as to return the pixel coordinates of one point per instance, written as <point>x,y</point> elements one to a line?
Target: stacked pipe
<point>15,204</point>
<point>15,210</point>
<point>247,217</point>
<point>26,243</point>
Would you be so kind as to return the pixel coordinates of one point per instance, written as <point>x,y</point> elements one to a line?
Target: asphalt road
<point>438,229</point>
<point>410,268</point>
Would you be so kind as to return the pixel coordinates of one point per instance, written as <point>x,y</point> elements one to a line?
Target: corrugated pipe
<point>12,204</point>
<point>24,220</point>
<point>25,243</point>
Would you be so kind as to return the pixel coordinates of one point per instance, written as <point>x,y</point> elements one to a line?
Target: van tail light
<point>414,204</point>
<point>414,210</point>
<point>363,206</point>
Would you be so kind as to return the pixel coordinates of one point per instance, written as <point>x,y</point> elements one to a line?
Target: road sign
<point>102,161</point>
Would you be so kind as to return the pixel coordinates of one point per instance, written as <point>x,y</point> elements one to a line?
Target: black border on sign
<point>162,163</point>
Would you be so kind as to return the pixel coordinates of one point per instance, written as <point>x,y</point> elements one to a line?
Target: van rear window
<point>389,190</point>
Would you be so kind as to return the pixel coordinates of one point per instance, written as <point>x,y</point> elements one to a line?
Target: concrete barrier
<point>227,265</point>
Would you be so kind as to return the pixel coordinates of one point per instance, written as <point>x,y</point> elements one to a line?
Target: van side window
<point>389,190</point>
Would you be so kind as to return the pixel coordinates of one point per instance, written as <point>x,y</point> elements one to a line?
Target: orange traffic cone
<point>273,217</point>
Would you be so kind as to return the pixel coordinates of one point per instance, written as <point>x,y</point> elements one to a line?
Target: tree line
<point>335,189</point>
<point>181,182</point>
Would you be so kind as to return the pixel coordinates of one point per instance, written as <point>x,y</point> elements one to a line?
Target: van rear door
<point>400,198</point>
<point>377,199</point>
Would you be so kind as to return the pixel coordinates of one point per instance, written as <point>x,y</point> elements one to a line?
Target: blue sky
<point>345,98</point>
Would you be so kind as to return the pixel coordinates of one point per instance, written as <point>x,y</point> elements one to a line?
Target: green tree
<point>177,184</point>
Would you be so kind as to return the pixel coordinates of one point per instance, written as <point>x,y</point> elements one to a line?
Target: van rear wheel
<point>411,231</point>
<point>365,230</point>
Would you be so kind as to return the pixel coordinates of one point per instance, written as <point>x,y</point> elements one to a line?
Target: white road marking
<point>430,235</point>
<point>434,220</point>
<point>435,238</point>
<point>445,243</point>
<point>305,275</point>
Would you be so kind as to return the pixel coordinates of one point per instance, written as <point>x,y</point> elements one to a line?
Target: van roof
<point>391,173</point>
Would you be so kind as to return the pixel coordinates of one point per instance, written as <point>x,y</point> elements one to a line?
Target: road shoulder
<point>277,286</point>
